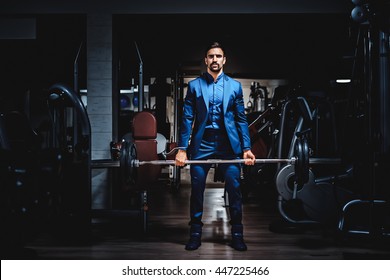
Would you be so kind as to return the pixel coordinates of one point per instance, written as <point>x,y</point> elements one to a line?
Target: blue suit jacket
<point>196,110</point>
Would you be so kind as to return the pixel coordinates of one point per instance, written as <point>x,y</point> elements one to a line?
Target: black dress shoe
<point>194,242</point>
<point>238,242</point>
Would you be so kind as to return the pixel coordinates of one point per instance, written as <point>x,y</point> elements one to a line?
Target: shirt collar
<point>210,78</point>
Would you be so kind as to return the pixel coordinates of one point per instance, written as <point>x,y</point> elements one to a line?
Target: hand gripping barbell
<point>129,163</point>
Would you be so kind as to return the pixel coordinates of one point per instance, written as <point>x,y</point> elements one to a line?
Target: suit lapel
<point>203,88</point>
<point>226,93</point>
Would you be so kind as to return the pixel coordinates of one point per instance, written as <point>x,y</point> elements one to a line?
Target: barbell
<point>129,163</point>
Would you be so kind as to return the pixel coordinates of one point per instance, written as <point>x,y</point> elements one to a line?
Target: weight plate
<point>285,182</point>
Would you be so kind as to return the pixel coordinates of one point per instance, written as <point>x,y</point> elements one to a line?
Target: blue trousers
<point>215,146</point>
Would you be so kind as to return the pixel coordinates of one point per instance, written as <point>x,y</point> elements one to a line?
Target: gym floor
<point>167,233</point>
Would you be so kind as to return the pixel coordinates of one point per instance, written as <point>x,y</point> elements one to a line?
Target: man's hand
<point>249,157</point>
<point>181,157</point>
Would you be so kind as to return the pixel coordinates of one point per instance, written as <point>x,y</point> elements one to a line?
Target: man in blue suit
<point>214,126</point>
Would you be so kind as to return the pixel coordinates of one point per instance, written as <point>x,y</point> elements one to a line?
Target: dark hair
<point>214,45</point>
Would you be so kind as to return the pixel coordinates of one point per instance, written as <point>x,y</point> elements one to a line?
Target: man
<point>214,126</point>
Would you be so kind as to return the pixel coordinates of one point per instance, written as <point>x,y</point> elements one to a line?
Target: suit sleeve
<point>241,120</point>
<point>188,117</point>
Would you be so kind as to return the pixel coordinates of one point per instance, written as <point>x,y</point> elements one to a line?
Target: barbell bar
<point>292,160</point>
<point>301,161</point>
<point>103,163</point>
<point>138,163</point>
<point>107,163</point>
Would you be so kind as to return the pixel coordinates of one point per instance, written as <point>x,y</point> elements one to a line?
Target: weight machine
<point>368,214</point>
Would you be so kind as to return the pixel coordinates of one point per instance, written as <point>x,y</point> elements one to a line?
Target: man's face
<point>215,59</point>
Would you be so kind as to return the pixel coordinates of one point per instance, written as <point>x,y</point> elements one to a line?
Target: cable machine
<point>369,214</point>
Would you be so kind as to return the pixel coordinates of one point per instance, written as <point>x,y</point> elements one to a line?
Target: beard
<point>215,67</point>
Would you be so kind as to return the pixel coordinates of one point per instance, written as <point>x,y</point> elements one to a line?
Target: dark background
<point>310,41</point>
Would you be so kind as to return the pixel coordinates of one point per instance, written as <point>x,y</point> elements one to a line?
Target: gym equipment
<point>301,161</point>
<point>368,214</point>
<point>29,181</point>
<point>71,135</point>
<point>124,101</point>
<point>303,198</point>
<point>161,143</point>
